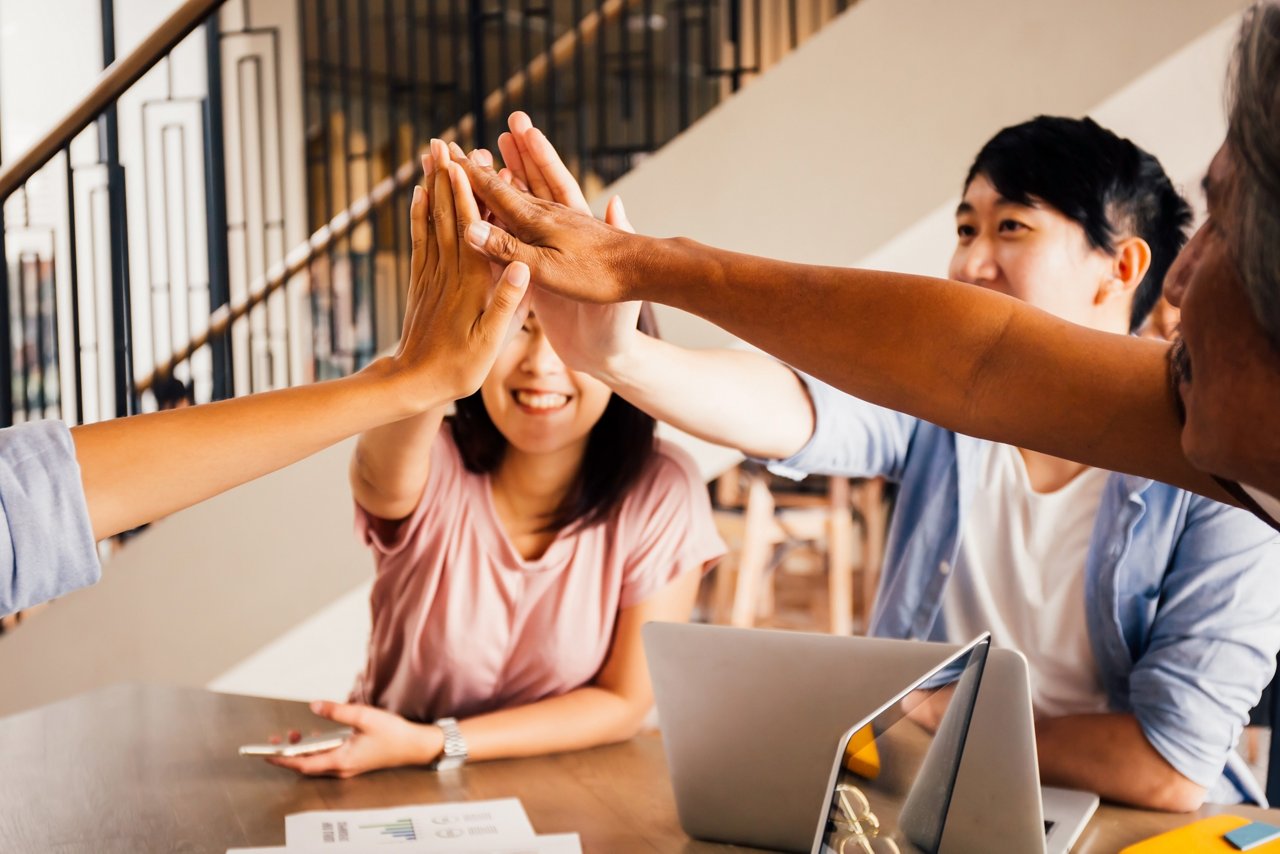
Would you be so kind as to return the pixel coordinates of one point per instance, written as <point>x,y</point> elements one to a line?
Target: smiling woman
<point>518,554</point>
<point>532,405</point>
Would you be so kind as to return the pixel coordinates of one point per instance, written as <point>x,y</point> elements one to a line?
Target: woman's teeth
<point>541,400</point>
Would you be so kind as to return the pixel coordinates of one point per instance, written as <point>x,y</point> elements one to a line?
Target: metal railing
<point>237,297</point>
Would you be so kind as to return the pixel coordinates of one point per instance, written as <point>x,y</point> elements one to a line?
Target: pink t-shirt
<point>462,624</point>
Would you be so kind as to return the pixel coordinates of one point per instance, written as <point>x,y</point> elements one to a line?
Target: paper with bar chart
<point>456,825</point>
<point>555,843</point>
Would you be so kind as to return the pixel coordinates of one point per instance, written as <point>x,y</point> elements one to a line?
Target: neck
<point>529,487</point>
<point>1049,474</point>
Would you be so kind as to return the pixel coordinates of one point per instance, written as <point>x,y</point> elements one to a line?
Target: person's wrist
<point>617,365</point>
<point>430,745</point>
<point>404,390</point>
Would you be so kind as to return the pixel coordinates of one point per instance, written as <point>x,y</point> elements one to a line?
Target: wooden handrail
<point>112,83</point>
<point>406,175</point>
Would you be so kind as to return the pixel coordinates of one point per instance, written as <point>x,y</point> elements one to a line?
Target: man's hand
<point>570,252</point>
<point>584,335</point>
<point>381,740</point>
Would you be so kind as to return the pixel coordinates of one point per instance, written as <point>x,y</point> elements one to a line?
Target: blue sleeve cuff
<point>46,541</point>
<point>851,438</point>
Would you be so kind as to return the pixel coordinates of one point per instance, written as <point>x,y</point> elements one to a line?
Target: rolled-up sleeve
<point>851,438</point>
<point>1214,640</point>
<point>46,540</point>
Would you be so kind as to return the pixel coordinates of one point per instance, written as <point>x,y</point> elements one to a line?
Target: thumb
<point>496,244</point>
<point>507,301</point>
<point>616,215</point>
<point>350,714</point>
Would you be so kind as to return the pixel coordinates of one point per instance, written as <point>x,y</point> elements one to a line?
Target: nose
<point>1175,281</point>
<point>974,263</point>
<point>539,359</point>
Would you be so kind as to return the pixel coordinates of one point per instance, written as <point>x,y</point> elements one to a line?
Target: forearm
<point>741,399</point>
<point>968,359</point>
<point>586,717</point>
<point>140,468</point>
<point>1108,754</point>
<point>390,464</point>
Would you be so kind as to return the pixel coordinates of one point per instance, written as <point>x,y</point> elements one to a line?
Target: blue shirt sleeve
<point>851,438</point>
<point>1213,641</point>
<point>46,540</point>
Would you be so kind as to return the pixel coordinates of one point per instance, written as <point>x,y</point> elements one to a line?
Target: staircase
<point>239,223</point>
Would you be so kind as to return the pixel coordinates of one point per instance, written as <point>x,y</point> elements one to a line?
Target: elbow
<point>631,722</point>
<point>1175,794</point>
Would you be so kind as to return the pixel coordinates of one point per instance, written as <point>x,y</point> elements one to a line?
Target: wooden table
<point>144,768</point>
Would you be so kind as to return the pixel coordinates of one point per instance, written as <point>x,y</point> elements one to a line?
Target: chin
<point>1207,448</point>
<point>535,444</point>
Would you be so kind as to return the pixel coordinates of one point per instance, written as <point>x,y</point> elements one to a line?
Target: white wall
<point>872,125</point>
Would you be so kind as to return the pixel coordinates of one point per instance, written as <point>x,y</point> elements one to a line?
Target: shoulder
<point>669,476</point>
<point>1205,528</point>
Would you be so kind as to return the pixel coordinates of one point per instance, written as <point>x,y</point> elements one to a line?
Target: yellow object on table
<point>1204,835</point>
<point>861,756</point>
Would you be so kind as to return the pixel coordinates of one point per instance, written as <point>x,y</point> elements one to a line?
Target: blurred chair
<point>764,518</point>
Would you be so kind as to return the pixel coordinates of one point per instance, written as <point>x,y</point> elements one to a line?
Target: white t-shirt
<point>1020,574</point>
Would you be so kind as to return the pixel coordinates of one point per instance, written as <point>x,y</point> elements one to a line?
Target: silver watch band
<point>455,746</point>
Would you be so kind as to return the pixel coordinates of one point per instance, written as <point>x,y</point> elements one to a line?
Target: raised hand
<point>571,253</point>
<point>586,336</point>
<point>456,316</point>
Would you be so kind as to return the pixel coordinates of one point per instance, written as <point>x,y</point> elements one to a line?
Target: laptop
<point>751,717</point>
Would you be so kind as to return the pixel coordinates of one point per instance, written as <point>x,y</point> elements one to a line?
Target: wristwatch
<point>455,746</point>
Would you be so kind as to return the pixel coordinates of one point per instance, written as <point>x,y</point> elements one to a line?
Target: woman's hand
<point>381,739</point>
<point>586,336</point>
<point>456,315</point>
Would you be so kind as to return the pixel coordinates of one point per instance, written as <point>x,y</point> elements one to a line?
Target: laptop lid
<point>890,787</point>
<point>750,718</point>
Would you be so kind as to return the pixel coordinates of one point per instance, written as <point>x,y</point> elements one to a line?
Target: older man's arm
<point>973,361</point>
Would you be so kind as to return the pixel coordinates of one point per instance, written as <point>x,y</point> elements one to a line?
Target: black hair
<point>170,391</point>
<point>1107,185</point>
<point>618,447</point>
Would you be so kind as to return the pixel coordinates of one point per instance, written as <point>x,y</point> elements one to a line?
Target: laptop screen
<point>891,784</point>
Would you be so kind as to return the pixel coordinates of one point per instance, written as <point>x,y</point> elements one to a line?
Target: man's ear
<point>1129,266</point>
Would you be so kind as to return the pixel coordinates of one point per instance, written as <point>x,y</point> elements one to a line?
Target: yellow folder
<point>1204,835</point>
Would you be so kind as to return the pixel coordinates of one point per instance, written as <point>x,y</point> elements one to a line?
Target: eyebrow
<point>1002,202</point>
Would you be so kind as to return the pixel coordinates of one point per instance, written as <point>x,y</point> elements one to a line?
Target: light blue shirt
<point>46,540</point>
<point>1182,593</point>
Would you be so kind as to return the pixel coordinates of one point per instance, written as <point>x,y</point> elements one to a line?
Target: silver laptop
<point>751,717</point>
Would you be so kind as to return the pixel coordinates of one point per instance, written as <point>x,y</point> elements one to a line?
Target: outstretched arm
<point>140,468</point>
<point>970,360</point>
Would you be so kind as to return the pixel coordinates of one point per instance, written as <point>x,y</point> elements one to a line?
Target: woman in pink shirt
<point>519,550</point>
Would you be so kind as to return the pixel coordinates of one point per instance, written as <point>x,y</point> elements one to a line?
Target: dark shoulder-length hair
<point>618,447</point>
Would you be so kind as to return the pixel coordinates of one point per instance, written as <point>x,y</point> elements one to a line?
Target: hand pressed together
<point>456,314</point>
<point>585,335</point>
<point>573,254</point>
